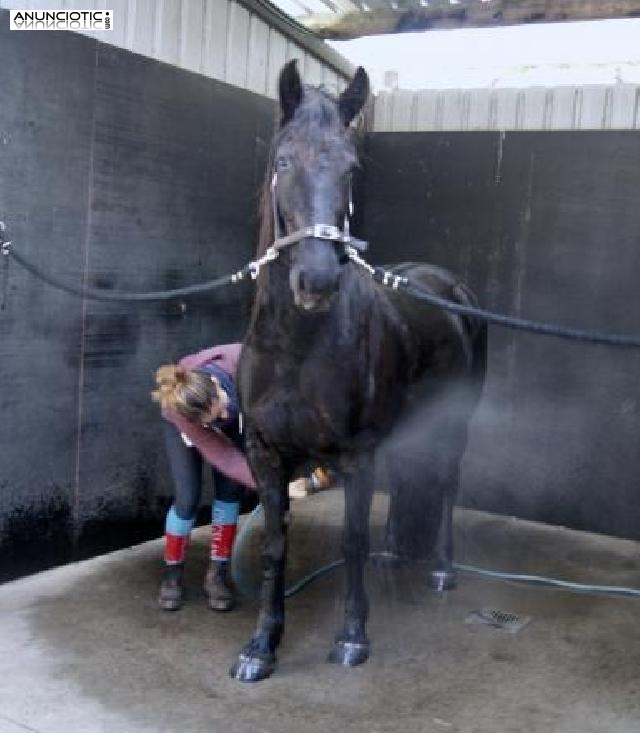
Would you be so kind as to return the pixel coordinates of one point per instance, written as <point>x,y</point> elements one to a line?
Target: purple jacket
<point>215,448</point>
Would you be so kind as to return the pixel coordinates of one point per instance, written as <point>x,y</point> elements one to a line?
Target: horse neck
<point>276,322</point>
<point>357,318</point>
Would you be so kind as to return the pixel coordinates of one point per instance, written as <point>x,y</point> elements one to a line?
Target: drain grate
<point>501,620</point>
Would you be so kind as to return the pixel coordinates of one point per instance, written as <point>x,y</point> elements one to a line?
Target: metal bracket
<point>326,231</point>
<point>268,256</point>
<point>253,268</point>
<point>352,254</point>
<point>393,281</point>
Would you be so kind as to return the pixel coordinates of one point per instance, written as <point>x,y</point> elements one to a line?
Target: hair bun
<point>179,374</point>
<point>168,378</point>
<point>186,391</point>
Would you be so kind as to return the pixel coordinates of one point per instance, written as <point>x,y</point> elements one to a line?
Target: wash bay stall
<point>131,160</point>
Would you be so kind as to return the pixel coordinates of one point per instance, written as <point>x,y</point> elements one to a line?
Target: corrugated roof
<point>342,19</point>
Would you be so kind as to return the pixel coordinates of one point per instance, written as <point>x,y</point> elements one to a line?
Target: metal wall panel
<point>258,56</point>
<point>536,108</point>
<point>122,35</point>
<point>214,57</point>
<point>237,45</point>
<point>192,35</point>
<point>220,39</point>
<point>166,41</point>
<point>277,59</point>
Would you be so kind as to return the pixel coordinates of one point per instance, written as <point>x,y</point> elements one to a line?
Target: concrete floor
<point>83,648</point>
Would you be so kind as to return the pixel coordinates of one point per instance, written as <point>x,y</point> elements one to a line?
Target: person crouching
<point>202,422</point>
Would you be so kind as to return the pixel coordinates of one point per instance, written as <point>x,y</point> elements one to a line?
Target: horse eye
<point>282,163</point>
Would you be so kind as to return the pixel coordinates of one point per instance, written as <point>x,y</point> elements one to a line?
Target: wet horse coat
<point>333,362</point>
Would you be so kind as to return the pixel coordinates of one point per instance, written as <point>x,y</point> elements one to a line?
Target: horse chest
<point>308,409</point>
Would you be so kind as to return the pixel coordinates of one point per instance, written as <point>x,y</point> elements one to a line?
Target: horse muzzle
<point>315,278</point>
<point>309,298</point>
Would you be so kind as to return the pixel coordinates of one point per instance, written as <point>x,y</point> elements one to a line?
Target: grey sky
<point>599,52</point>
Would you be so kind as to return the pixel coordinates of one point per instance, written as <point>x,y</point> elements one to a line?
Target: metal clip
<point>326,231</point>
<point>5,244</point>
<point>268,256</point>
<point>393,281</point>
<point>352,254</point>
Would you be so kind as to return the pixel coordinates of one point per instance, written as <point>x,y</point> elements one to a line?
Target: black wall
<point>545,225</point>
<point>135,175</point>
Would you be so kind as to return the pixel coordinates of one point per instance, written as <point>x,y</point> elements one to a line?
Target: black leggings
<point>186,471</point>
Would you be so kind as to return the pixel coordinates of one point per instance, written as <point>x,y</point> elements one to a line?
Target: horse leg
<point>423,489</point>
<point>257,660</point>
<point>351,645</point>
<point>414,506</point>
<point>443,575</point>
<point>450,451</point>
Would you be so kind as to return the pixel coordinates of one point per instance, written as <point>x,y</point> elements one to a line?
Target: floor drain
<point>502,620</point>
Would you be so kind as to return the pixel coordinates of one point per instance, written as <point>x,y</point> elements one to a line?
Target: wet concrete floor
<point>84,649</point>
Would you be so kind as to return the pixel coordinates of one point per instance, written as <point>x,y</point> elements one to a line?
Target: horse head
<point>313,157</point>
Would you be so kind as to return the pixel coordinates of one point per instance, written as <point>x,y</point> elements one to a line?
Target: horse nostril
<point>302,281</point>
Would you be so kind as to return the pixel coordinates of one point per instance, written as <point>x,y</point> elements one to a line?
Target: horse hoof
<point>252,668</point>
<point>441,580</point>
<point>349,653</point>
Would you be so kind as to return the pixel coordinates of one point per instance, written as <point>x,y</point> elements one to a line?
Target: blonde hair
<point>189,392</point>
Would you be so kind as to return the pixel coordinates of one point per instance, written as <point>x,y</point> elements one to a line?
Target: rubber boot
<point>217,586</point>
<point>171,596</point>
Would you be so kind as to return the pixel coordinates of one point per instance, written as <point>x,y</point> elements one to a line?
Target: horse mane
<point>265,211</point>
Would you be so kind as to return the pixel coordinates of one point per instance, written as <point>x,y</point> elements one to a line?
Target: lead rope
<point>395,282</point>
<point>412,290</point>
<point>351,246</point>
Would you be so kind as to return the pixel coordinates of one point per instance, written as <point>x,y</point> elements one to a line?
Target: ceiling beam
<point>302,36</point>
<point>412,15</point>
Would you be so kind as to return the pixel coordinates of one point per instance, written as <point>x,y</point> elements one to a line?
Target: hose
<point>524,578</point>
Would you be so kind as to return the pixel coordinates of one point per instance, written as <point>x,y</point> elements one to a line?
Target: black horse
<point>332,360</point>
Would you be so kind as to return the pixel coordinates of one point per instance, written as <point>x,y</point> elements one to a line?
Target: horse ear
<point>290,87</point>
<point>352,100</point>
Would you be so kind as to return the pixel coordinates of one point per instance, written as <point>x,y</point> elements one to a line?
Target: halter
<point>329,232</point>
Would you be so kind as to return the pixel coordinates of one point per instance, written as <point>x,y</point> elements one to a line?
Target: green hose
<point>539,580</point>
